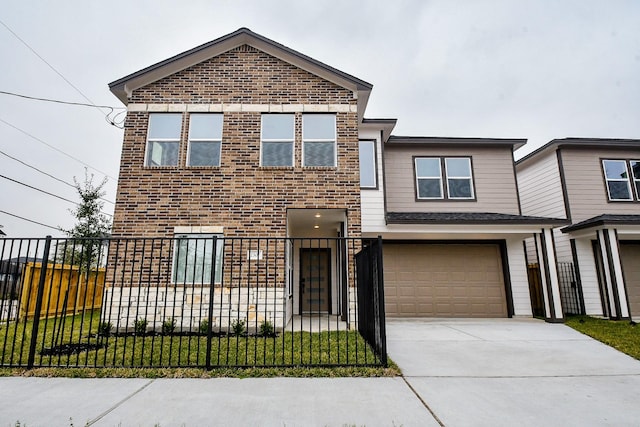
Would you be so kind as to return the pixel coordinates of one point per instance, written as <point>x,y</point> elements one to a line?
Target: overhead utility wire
<point>30,220</point>
<point>54,70</point>
<point>57,101</point>
<point>57,149</point>
<point>44,191</point>
<point>47,174</point>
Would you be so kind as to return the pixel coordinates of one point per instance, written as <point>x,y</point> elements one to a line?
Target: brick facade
<point>239,195</point>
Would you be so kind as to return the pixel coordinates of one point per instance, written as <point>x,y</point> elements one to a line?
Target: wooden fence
<point>68,289</point>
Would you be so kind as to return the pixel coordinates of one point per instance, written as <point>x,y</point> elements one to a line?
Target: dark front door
<point>315,282</point>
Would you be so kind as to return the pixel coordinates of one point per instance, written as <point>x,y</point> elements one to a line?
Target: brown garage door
<point>630,255</point>
<point>429,280</point>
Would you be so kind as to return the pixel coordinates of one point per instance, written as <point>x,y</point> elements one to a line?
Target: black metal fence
<point>190,301</point>
<point>569,292</point>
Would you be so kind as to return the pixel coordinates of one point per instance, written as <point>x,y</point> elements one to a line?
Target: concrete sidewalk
<point>506,372</point>
<point>210,402</point>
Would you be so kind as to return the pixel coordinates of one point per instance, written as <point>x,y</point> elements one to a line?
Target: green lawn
<point>291,350</point>
<point>621,335</point>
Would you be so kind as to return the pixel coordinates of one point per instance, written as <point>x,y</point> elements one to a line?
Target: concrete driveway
<point>506,372</point>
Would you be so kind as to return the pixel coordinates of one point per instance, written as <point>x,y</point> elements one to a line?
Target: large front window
<point>205,139</point>
<point>163,139</point>
<point>193,258</point>
<point>319,139</point>
<point>277,138</point>
<point>616,176</point>
<point>456,185</point>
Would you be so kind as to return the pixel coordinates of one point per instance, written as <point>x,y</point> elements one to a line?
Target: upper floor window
<point>456,185</point>
<point>277,138</point>
<point>616,174</point>
<point>163,139</point>
<point>319,140</point>
<point>205,139</point>
<point>368,164</point>
<point>635,172</point>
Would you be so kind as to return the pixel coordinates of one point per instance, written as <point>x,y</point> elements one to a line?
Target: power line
<point>45,192</point>
<point>57,101</point>
<point>47,174</point>
<point>30,220</point>
<point>56,149</point>
<point>49,65</point>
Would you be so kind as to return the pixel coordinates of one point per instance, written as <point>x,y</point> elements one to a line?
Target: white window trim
<point>149,140</point>
<point>627,180</point>
<point>283,141</point>
<point>205,140</point>
<point>415,165</point>
<point>195,236</point>
<point>470,178</point>
<point>334,140</point>
<point>636,181</point>
<point>373,144</point>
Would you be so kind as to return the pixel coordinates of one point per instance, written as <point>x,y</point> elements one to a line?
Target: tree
<point>91,229</point>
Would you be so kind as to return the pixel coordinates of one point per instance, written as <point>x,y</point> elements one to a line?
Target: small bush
<point>267,329</point>
<point>238,326</point>
<point>104,329</point>
<point>204,326</point>
<point>169,325</point>
<point>140,326</point>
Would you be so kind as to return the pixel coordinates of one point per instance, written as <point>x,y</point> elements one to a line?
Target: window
<point>205,139</point>
<point>319,140</point>
<point>193,255</point>
<point>277,140</point>
<point>163,139</point>
<point>368,164</point>
<point>617,179</point>
<point>459,183</point>
<point>635,172</point>
<point>458,180</point>
<point>428,178</point>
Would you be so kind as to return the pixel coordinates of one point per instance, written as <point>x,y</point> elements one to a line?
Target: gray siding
<point>585,184</point>
<point>541,188</point>
<point>494,180</point>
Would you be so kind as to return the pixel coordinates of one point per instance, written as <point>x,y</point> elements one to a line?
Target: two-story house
<point>450,216</point>
<point>595,184</point>
<point>244,137</point>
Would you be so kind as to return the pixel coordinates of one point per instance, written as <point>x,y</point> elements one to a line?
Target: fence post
<point>380,300</point>
<point>38,307</point>
<point>211,300</point>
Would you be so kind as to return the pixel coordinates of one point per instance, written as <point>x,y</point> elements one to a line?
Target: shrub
<point>237,326</point>
<point>204,326</point>
<point>140,326</point>
<point>169,325</point>
<point>104,329</point>
<point>267,329</point>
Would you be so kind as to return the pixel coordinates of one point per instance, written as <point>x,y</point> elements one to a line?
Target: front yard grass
<point>298,354</point>
<point>619,334</point>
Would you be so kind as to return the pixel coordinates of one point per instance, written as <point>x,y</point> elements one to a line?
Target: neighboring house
<point>595,184</point>
<point>449,214</point>
<point>244,137</point>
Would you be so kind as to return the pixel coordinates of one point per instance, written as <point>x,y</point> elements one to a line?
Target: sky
<point>539,70</point>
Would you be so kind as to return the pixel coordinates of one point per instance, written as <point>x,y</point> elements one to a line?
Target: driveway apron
<point>505,372</point>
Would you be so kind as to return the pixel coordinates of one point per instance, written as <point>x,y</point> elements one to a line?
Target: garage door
<point>431,280</point>
<point>630,255</point>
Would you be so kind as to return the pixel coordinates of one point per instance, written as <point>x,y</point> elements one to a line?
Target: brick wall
<point>239,195</point>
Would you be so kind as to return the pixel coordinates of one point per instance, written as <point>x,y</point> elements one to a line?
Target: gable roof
<point>124,86</point>
<point>555,144</point>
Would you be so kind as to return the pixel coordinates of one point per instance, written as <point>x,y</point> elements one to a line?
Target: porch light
<point>316,226</point>
<point>318,215</point>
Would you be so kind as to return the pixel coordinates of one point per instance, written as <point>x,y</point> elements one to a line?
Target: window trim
<point>444,185</point>
<point>636,181</point>
<point>374,143</point>
<point>627,180</point>
<point>334,141</point>
<point>196,237</point>
<point>148,140</point>
<point>204,140</point>
<point>282,141</point>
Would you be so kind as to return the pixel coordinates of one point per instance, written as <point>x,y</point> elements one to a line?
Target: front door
<point>315,282</point>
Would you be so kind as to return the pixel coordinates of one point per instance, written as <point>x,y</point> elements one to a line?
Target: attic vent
<point>245,48</point>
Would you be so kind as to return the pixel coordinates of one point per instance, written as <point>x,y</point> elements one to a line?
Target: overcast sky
<point>527,69</point>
